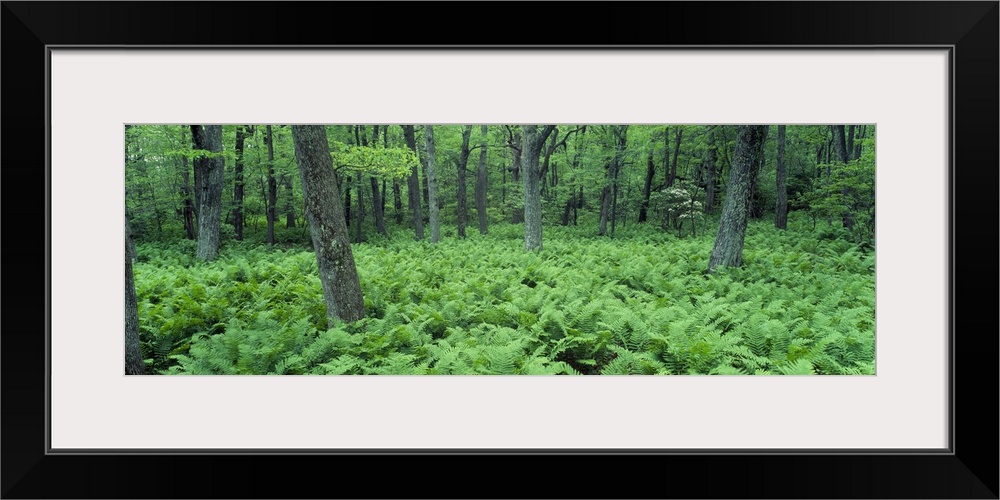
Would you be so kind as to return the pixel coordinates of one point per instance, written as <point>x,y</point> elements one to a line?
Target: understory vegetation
<point>803,302</point>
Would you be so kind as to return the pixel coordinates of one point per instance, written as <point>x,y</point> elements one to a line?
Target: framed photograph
<point>923,73</point>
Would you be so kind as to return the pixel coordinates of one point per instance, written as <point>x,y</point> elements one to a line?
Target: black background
<point>971,472</point>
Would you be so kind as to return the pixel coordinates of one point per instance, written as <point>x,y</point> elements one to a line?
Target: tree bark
<point>272,188</point>
<point>397,201</point>
<point>327,227</point>
<point>413,184</point>
<point>432,186</point>
<point>463,161</point>
<point>377,207</point>
<point>843,154</point>
<point>209,138</point>
<point>133,355</point>
<point>238,183</point>
<point>728,249</point>
<point>481,185</point>
<point>609,193</point>
<point>531,150</point>
<point>781,210</point>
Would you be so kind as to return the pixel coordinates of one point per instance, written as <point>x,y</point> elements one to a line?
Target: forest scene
<point>594,249</point>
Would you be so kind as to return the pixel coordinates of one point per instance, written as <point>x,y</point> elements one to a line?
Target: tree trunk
<point>677,154</point>
<point>609,194</point>
<point>481,185</point>
<point>327,227</point>
<point>359,217</point>
<point>647,186</point>
<point>289,202</point>
<point>517,215</point>
<point>413,184</point>
<point>397,201</point>
<point>272,188</point>
<point>666,157</point>
<point>347,199</point>
<point>377,207</point>
<point>432,186</point>
<point>858,143</point>
<point>209,138</point>
<point>710,172</point>
<point>531,150</point>
<point>463,161</point>
<point>781,210</point>
<point>238,184</point>
<point>850,142</point>
<point>133,355</point>
<point>843,155</point>
<point>188,204</point>
<point>728,249</point>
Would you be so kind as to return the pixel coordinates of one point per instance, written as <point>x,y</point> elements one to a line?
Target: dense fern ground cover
<point>638,303</point>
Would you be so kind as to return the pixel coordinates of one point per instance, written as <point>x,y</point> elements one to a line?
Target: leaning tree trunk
<point>728,249</point>
<point>209,138</point>
<point>272,188</point>
<point>133,355</point>
<point>481,185</point>
<point>413,184</point>
<point>781,209</point>
<point>463,161</point>
<point>238,184</point>
<point>531,151</point>
<point>327,227</point>
<point>432,186</point>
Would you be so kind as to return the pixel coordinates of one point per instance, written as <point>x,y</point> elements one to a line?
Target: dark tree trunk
<point>188,203</point>
<point>677,154</point>
<point>209,138</point>
<point>397,201</point>
<point>728,249</point>
<point>272,188</point>
<point>609,194</point>
<point>531,151</point>
<point>481,185</point>
<point>360,215</point>
<point>850,142</point>
<point>517,214</point>
<point>383,197</point>
<point>710,171</point>
<point>858,143</point>
<point>666,156</point>
<point>413,184</point>
<point>347,199</point>
<point>843,155</point>
<point>432,186</point>
<point>289,202</point>
<point>647,187</point>
<point>133,355</point>
<point>238,183</point>
<point>377,207</point>
<point>337,271</point>
<point>781,210</point>
<point>463,161</point>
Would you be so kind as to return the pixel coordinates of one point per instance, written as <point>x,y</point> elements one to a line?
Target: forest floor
<point>638,303</point>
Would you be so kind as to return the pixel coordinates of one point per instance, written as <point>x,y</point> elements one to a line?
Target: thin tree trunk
<point>397,201</point>
<point>710,171</point>
<point>272,188</point>
<point>647,186</point>
<point>843,154</point>
<point>328,229</point>
<point>188,205</point>
<point>359,217</point>
<point>209,138</point>
<point>781,210</point>
<point>677,154</point>
<point>238,184</point>
<point>481,185</point>
<point>432,186</point>
<point>413,184</point>
<point>728,248</point>
<point>463,161</point>
<point>347,199</point>
<point>377,207</point>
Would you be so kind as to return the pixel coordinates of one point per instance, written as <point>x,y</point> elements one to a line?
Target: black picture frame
<point>968,470</point>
